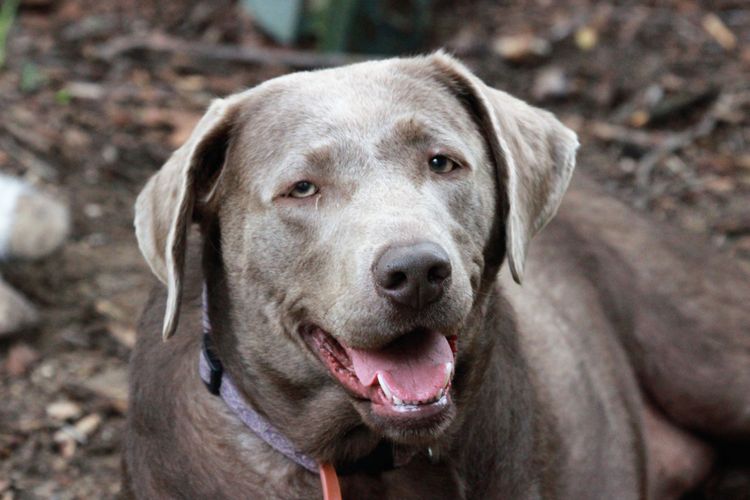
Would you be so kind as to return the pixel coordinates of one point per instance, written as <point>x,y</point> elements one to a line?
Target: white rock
<point>32,224</point>
<point>16,313</point>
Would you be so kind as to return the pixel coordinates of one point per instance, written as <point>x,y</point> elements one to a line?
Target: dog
<point>351,300</point>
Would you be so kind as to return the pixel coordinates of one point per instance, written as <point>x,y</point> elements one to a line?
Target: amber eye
<point>303,189</point>
<point>442,164</point>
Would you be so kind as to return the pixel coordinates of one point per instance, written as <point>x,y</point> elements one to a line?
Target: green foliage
<point>63,97</point>
<point>7,16</point>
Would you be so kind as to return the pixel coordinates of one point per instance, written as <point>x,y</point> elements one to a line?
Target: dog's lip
<point>405,414</point>
<point>335,357</point>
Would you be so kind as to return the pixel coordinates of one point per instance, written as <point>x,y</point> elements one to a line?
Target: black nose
<point>412,275</point>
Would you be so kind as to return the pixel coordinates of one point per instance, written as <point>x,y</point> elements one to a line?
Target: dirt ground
<point>658,91</point>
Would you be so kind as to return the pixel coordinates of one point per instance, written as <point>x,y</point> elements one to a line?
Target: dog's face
<point>357,214</point>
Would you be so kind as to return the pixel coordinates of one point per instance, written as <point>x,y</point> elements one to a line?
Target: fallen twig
<point>27,136</point>
<point>671,145</point>
<point>29,160</point>
<point>674,143</point>
<point>609,132</point>
<point>229,53</point>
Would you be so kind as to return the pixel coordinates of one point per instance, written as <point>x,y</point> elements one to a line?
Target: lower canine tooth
<point>385,388</point>
<point>397,401</point>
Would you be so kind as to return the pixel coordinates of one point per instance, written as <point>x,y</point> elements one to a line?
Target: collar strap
<point>221,384</point>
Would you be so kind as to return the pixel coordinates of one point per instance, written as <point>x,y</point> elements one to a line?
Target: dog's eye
<point>442,164</point>
<point>303,189</point>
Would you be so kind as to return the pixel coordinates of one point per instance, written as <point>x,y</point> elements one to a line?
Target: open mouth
<point>407,380</point>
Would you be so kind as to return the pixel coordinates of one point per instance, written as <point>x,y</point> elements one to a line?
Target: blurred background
<point>95,94</point>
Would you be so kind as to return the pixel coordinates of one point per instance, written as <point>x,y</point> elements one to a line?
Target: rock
<point>16,313</point>
<point>63,410</point>
<point>32,224</point>
<point>521,48</point>
<point>550,83</point>
<point>19,360</point>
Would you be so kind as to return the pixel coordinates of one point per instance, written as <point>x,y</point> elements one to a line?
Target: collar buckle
<point>216,371</point>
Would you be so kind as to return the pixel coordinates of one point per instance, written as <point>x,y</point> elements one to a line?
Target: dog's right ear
<point>165,208</point>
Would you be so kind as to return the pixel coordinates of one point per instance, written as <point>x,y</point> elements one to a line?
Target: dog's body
<point>557,383</point>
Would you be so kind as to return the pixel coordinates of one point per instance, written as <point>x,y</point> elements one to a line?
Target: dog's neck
<point>384,457</point>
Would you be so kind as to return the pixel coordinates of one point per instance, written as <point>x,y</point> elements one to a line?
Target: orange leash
<point>329,480</point>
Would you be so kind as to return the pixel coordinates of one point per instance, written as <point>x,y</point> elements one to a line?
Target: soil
<point>658,92</point>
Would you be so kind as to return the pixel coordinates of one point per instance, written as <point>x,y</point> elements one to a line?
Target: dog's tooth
<point>397,401</point>
<point>448,373</point>
<point>384,387</point>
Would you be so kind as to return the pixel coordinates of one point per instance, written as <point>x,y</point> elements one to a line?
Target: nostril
<point>438,273</point>
<point>395,280</point>
<point>412,275</point>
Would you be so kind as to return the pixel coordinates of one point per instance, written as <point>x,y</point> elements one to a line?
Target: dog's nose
<point>412,275</point>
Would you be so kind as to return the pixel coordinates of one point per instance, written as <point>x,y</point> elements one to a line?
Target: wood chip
<point>521,48</point>
<point>87,426</point>
<point>715,27</point>
<point>87,91</point>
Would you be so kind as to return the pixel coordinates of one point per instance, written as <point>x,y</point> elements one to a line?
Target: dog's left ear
<point>534,154</point>
<point>174,196</point>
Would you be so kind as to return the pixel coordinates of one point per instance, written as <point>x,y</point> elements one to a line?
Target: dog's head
<point>354,219</point>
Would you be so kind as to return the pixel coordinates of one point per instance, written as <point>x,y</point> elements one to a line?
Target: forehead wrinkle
<point>410,130</point>
<point>414,131</point>
<point>319,156</point>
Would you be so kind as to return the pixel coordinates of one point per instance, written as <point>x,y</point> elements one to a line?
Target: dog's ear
<point>534,154</point>
<point>172,198</point>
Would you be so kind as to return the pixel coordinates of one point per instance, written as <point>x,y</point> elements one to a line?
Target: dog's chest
<point>416,481</point>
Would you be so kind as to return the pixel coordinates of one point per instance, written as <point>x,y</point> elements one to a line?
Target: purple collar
<point>219,383</point>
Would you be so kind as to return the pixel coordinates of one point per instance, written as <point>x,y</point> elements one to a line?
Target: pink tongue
<point>414,366</point>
